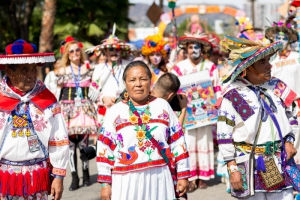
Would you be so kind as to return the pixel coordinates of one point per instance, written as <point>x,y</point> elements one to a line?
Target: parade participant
<point>34,140</point>
<point>176,56</point>
<point>138,137</point>
<point>286,66</point>
<point>155,51</point>
<point>253,121</point>
<point>166,88</point>
<point>51,79</point>
<point>107,82</point>
<point>79,113</point>
<point>199,140</point>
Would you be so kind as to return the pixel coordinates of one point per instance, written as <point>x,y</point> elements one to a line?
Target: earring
<point>126,96</point>
<point>244,73</point>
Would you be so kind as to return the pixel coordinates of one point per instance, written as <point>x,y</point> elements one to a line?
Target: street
<point>215,190</point>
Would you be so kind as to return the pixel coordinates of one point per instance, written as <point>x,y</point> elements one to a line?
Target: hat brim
<point>261,53</point>
<point>122,47</point>
<point>27,58</point>
<point>186,39</point>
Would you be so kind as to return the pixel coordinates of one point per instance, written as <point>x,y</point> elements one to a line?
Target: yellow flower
<point>145,118</point>
<point>140,134</point>
<point>133,119</point>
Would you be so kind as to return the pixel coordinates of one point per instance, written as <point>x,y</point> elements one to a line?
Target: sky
<point>238,3</point>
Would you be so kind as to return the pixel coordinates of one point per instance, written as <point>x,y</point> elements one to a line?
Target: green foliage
<point>87,20</point>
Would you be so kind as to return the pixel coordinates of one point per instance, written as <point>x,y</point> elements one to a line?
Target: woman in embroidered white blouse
<point>137,138</point>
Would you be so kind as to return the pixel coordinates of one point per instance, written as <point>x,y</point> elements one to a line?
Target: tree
<point>47,32</point>
<point>15,19</point>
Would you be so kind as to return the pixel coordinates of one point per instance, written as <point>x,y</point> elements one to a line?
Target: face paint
<point>283,38</point>
<point>155,58</point>
<point>194,51</point>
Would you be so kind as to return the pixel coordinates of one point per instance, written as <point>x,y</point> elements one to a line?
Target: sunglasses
<point>113,49</point>
<point>76,50</point>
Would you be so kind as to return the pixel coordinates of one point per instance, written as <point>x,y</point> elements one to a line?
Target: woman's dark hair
<point>136,64</point>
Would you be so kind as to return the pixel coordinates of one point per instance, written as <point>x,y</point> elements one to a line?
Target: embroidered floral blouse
<point>240,113</point>
<point>122,149</point>
<point>47,124</point>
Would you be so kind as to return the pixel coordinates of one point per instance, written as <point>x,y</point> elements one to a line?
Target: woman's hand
<point>236,181</point>
<point>57,189</point>
<point>290,150</point>
<point>182,186</point>
<point>105,193</point>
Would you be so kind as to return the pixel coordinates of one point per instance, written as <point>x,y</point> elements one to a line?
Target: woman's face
<point>74,53</point>
<point>155,58</point>
<point>137,83</point>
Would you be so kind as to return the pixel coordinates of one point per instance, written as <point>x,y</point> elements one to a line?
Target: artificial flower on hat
<point>111,42</point>
<point>22,52</point>
<point>282,28</point>
<point>243,53</point>
<point>154,44</point>
<point>69,39</point>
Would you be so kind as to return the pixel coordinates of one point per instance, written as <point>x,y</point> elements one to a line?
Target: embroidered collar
<point>40,96</point>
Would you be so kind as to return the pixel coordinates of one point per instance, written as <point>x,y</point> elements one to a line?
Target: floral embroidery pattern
<point>164,115</point>
<point>120,140</point>
<point>40,125</point>
<point>140,127</point>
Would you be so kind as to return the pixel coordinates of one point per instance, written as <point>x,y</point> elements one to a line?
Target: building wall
<point>263,13</point>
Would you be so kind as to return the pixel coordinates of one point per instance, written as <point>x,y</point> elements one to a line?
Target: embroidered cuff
<point>59,143</point>
<point>184,174</point>
<point>225,141</point>
<point>59,172</point>
<point>182,156</point>
<point>104,178</point>
<point>105,160</point>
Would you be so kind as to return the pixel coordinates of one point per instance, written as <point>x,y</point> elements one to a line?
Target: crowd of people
<point>131,102</point>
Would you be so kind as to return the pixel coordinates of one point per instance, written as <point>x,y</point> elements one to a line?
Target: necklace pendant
<point>14,134</point>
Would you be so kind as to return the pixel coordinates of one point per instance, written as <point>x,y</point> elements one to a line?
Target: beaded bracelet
<point>59,177</point>
<point>105,184</point>
<point>232,169</point>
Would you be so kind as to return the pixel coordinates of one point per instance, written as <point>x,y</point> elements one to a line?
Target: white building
<point>264,12</point>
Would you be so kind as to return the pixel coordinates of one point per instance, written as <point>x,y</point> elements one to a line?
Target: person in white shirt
<point>254,132</point>
<point>34,145</point>
<point>51,79</point>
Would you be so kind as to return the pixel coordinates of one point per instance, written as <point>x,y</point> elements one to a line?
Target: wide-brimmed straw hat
<point>243,53</point>
<point>196,37</point>
<point>112,42</point>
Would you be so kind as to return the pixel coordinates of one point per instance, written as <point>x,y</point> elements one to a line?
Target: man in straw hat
<point>34,144</point>
<point>107,82</point>
<point>254,133</point>
<point>199,140</point>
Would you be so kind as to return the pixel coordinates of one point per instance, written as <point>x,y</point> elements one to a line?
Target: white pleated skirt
<point>151,184</point>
